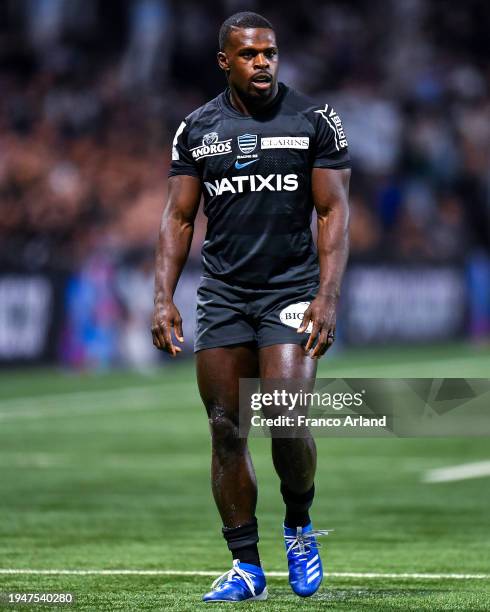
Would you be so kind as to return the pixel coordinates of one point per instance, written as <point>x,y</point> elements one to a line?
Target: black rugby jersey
<point>255,173</point>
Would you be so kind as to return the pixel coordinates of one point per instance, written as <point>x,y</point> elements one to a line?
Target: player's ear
<point>223,61</point>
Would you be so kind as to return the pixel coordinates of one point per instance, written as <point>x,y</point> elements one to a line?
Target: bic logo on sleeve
<point>292,315</point>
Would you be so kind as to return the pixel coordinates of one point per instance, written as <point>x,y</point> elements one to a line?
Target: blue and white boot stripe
<point>305,565</point>
<point>244,582</point>
<point>313,569</point>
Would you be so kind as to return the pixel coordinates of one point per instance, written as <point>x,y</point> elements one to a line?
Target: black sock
<point>297,506</point>
<point>242,542</point>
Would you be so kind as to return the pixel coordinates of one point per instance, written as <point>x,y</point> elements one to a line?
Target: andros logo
<point>292,315</point>
<point>211,145</point>
<point>209,139</point>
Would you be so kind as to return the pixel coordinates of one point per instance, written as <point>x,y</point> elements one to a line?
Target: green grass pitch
<point>111,472</point>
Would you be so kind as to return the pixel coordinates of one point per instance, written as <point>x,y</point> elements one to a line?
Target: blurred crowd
<point>92,91</point>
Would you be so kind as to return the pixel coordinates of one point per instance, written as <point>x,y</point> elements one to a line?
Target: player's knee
<point>224,430</point>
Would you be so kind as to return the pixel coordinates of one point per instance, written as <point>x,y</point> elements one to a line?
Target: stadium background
<point>94,441</point>
<point>92,93</point>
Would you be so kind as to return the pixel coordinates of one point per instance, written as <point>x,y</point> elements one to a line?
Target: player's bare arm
<point>176,230</point>
<point>330,189</point>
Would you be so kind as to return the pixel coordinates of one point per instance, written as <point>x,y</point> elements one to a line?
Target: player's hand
<point>165,317</point>
<point>322,314</point>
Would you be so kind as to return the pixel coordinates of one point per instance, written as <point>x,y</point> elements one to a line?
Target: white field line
<point>148,396</point>
<point>440,368</point>
<point>91,402</point>
<point>77,396</point>
<point>86,396</point>
<point>126,399</point>
<point>135,572</point>
<point>458,472</point>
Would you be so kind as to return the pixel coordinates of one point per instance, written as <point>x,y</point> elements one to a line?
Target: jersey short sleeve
<point>331,149</point>
<point>182,160</point>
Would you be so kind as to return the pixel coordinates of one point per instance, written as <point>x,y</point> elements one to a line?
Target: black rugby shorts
<point>227,314</point>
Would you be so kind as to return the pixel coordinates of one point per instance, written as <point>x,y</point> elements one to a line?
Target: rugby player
<point>262,155</point>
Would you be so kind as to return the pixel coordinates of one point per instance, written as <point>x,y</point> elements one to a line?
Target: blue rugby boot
<point>243,582</point>
<point>305,565</point>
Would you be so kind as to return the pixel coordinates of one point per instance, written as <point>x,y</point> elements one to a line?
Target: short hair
<point>245,19</point>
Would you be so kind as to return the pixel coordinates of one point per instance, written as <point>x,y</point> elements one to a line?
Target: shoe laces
<point>302,543</point>
<point>236,570</point>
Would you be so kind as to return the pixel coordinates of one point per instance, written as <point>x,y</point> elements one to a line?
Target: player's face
<point>251,60</point>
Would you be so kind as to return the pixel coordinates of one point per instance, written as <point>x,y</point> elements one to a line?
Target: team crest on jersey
<point>209,139</point>
<point>247,143</point>
<point>335,124</point>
